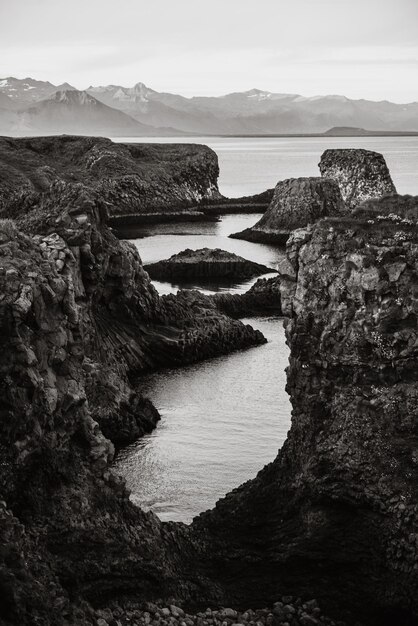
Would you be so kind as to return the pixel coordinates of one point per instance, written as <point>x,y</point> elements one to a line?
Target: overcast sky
<point>359,48</point>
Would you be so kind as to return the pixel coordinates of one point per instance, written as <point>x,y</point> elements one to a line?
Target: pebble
<point>288,611</point>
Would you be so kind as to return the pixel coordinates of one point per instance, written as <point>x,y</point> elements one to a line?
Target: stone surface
<point>263,298</point>
<point>131,179</point>
<point>334,517</point>
<point>340,500</point>
<point>296,202</point>
<point>205,264</point>
<point>360,174</point>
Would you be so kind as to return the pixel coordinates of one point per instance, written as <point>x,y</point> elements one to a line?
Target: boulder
<point>296,202</point>
<point>360,174</point>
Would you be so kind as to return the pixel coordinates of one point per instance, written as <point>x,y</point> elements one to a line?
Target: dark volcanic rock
<point>132,179</point>
<point>125,327</point>
<point>263,298</point>
<point>245,204</point>
<point>205,264</point>
<point>333,517</point>
<point>360,174</point>
<point>296,203</point>
<point>340,501</point>
<point>79,322</point>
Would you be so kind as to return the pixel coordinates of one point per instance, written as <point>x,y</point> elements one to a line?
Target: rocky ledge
<point>296,202</point>
<point>205,264</point>
<point>134,180</point>
<point>263,298</point>
<point>361,174</point>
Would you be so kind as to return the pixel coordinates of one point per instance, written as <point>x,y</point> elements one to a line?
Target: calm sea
<point>224,419</point>
<point>251,165</point>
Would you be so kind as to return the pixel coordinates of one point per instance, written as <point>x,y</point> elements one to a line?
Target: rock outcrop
<point>79,323</point>
<point>340,501</point>
<point>361,174</point>
<point>256,203</point>
<point>205,264</point>
<point>263,298</point>
<point>126,328</point>
<point>132,179</point>
<point>296,202</point>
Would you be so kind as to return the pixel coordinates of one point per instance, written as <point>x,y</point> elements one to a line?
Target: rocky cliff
<point>360,174</point>
<point>336,512</point>
<point>296,202</point>
<point>131,178</point>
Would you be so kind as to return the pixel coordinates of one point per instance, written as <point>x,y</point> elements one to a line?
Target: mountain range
<point>29,106</point>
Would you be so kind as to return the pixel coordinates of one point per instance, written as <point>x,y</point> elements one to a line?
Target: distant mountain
<point>23,92</point>
<point>256,111</point>
<point>71,112</point>
<point>6,102</point>
<point>253,112</point>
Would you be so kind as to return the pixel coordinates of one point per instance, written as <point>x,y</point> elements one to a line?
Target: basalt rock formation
<point>125,327</point>
<point>334,516</point>
<point>263,298</point>
<point>80,321</point>
<point>296,202</point>
<point>245,204</point>
<point>360,174</point>
<point>205,264</point>
<point>132,179</point>
<point>337,512</point>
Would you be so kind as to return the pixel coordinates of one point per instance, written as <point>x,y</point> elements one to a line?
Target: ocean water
<point>224,419</point>
<point>250,165</point>
<point>160,241</point>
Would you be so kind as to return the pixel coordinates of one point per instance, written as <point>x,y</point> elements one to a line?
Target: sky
<point>358,48</point>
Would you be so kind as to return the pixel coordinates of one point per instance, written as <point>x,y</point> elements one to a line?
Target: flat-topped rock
<point>296,203</point>
<point>360,174</point>
<point>206,264</point>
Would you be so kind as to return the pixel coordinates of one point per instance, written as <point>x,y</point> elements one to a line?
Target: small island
<point>205,264</point>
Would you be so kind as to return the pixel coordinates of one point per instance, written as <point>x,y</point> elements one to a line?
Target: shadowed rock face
<point>296,202</point>
<point>340,502</point>
<point>79,322</point>
<point>205,264</point>
<point>360,174</point>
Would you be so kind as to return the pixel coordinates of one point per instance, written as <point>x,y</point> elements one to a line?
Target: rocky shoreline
<point>334,517</point>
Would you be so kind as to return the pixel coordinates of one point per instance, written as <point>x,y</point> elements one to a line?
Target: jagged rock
<point>131,179</point>
<point>296,203</point>
<point>263,298</point>
<point>360,174</point>
<point>340,500</point>
<point>205,264</point>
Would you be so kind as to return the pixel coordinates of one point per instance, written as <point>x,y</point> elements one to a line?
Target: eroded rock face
<point>205,264</point>
<point>340,502</point>
<point>361,174</point>
<point>130,178</point>
<point>79,322</point>
<point>296,202</point>
<point>263,298</point>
